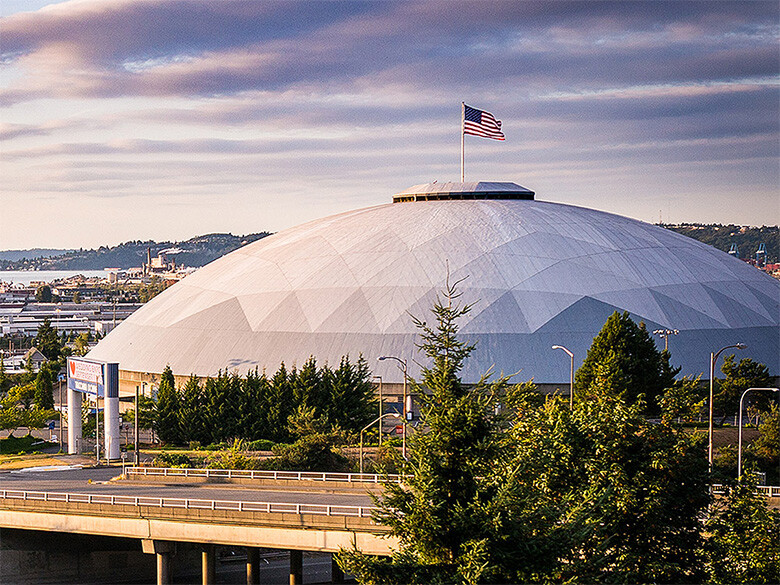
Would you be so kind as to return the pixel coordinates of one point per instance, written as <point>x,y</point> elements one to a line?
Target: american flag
<point>479,123</point>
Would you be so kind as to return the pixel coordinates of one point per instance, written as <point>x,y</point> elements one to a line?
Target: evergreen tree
<point>352,400</point>
<point>167,419</point>
<point>743,538</point>
<point>3,376</point>
<point>43,294</point>
<point>280,405</point>
<point>192,423</point>
<point>442,511</point>
<point>255,405</point>
<point>48,341</point>
<point>623,361</point>
<point>739,377</point>
<point>44,392</point>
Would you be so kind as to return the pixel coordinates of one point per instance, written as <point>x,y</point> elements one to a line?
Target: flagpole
<point>462,139</point>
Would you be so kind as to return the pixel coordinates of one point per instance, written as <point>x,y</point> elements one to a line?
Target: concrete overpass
<point>158,517</point>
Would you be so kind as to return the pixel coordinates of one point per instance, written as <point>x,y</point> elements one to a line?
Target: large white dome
<point>539,274</point>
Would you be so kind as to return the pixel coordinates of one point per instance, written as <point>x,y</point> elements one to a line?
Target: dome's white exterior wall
<point>539,274</point>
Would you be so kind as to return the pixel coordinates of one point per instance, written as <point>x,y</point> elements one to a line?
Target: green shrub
<point>260,445</point>
<point>166,459</point>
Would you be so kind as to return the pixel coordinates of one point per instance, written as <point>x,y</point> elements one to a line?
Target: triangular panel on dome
<point>227,315</point>
<point>334,273</point>
<point>736,313</point>
<point>771,305</point>
<point>288,316</point>
<point>517,268</point>
<point>573,277</point>
<point>258,307</point>
<point>742,294</point>
<point>391,305</point>
<point>538,309</point>
<point>169,309</point>
<point>353,314</point>
<point>694,295</point>
<point>501,315</point>
<point>586,315</point>
<point>639,301</point>
<point>682,316</point>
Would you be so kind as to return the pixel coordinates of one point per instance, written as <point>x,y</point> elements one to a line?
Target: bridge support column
<point>252,566</point>
<point>163,550</point>
<point>208,565</point>
<point>74,422</point>
<point>296,567</point>
<point>336,574</point>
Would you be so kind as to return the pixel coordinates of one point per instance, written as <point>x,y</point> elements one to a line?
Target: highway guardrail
<point>190,504</point>
<point>260,474</point>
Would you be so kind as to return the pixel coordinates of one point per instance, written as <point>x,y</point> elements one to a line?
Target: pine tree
<point>48,341</point>
<point>192,421</point>
<point>352,400</point>
<point>167,417</point>
<point>624,362</point>
<point>442,512</point>
<point>280,405</point>
<point>44,392</point>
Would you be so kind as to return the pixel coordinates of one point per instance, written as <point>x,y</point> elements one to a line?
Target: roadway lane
<point>97,481</point>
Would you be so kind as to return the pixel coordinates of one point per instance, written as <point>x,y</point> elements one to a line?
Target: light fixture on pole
<point>664,334</point>
<point>402,367</point>
<point>365,428</point>
<point>713,359</point>
<point>571,374</point>
<point>381,408</point>
<point>739,449</point>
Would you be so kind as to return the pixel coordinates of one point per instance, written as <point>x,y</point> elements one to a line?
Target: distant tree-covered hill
<point>746,238</point>
<point>14,255</point>
<point>194,252</point>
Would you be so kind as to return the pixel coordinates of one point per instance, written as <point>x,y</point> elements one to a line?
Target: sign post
<point>101,380</point>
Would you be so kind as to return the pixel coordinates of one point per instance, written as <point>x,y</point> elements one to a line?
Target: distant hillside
<point>15,255</point>
<point>746,238</point>
<point>194,252</point>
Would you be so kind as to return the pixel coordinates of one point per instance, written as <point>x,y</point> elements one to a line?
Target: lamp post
<point>739,449</point>
<point>381,409</point>
<point>136,453</point>
<point>571,375</point>
<point>365,428</point>
<point>664,334</point>
<point>713,359</point>
<point>402,366</point>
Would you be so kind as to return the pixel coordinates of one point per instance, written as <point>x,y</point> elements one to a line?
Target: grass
<point>19,445</point>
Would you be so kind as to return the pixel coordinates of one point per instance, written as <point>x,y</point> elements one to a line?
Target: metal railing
<point>260,474</point>
<point>770,491</point>
<point>190,504</point>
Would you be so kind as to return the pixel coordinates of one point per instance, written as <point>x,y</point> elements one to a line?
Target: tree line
<point>256,406</point>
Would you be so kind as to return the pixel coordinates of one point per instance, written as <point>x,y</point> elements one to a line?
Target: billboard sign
<point>86,376</point>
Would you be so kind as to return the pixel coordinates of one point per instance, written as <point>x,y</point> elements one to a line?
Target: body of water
<point>28,276</point>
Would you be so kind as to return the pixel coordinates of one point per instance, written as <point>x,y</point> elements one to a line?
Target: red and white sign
<point>85,371</point>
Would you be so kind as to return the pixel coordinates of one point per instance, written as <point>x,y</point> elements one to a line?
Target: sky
<point>165,119</point>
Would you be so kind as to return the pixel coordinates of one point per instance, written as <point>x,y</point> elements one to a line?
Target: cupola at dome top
<point>463,191</point>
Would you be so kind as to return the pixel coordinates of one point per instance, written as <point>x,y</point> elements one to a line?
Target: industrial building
<point>538,274</point>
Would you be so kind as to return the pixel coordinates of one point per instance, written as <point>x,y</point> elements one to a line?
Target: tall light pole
<point>571,375</point>
<point>136,452</point>
<point>365,428</point>
<point>739,449</point>
<point>381,409</point>
<point>713,359</point>
<point>402,366</point>
<point>664,334</point>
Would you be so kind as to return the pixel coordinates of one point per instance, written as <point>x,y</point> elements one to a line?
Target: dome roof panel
<point>542,273</point>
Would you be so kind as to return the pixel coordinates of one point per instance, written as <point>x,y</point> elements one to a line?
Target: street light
<point>365,428</point>
<point>381,409</point>
<point>739,449</point>
<point>571,375</point>
<point>713,359</point>
<point>664,334</point>
<point>402,367</point>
